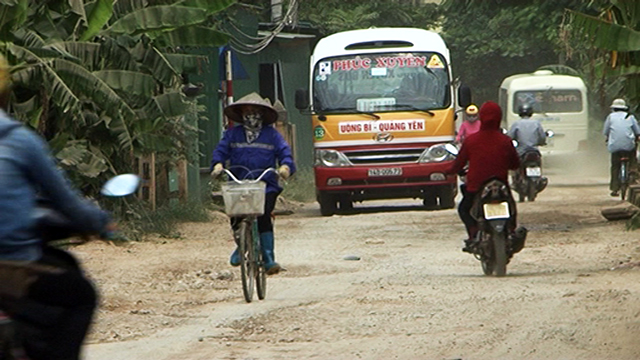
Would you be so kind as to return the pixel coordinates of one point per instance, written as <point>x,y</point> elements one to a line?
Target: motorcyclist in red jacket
<point>489,154</point>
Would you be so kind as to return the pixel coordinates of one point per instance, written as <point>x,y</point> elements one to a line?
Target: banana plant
<point>101,79</point>
<point>617,31</point>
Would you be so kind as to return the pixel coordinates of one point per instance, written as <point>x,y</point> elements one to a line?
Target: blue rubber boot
<point>235,258</point>
<point>266,244</point>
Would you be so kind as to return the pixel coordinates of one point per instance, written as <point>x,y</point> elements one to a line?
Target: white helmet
<point>619,104</point>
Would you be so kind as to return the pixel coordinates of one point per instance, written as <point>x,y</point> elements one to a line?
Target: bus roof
<point>421,40</point>
<point>540,80</point>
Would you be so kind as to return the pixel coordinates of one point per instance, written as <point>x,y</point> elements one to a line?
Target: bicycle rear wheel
<point>247,259</point>
<point>624,179</point>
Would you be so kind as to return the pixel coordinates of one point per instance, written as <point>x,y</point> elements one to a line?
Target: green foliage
<point>634,222</point>
<point>301,186</point>
<point>136,220</point>
<point>492,39</point>
<point>615,34</point>
<point>332,16</point>
<point>95,79</point>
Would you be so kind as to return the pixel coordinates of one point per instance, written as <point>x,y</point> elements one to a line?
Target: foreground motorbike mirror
<point>121,185</point>
<point>549,133</point>
<point>451,149</point>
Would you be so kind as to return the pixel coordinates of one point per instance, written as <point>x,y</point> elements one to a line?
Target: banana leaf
<point>100,14</point>
<point>191,36</point>
<point>158,18</point>
<point>606,35</point>
<point>129,81</point>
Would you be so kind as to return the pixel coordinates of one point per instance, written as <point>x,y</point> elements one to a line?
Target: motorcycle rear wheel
<point>488,262</point>
<point>500,253</point>
<point>487,266</point>
<point>532,190</point>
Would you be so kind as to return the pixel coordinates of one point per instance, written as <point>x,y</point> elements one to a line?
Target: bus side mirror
<point>464,96</point>
<point>302,99</point>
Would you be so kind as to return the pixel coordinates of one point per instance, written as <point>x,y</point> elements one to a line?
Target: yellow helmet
<point>472,110</point>
<point>5,75</point>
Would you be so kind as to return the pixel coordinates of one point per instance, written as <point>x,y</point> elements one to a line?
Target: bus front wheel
<point>328,204</point>
<point>447,197</point>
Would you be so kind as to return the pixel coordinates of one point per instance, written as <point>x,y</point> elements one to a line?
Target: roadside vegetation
<point>301,186</point>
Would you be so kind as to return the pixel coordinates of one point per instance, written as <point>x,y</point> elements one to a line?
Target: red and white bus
<point>382,108</point>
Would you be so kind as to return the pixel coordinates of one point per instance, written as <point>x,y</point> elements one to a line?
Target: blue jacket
<point>621,130</point>
<point>528,133</point>
<point>27,168</point>
<point>269,148</point>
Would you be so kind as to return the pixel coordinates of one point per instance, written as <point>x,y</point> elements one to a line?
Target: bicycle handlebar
<point>235,179</point>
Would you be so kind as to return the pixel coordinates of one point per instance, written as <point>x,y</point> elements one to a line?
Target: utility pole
<point>276,10</point>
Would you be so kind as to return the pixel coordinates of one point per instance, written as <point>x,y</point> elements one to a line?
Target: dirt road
<point>572,293</point>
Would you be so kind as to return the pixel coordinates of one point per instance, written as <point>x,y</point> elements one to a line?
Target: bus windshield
<point>550,100</point>
<point>381,82</point>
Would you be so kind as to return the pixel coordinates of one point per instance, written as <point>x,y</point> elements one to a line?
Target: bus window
<point>549,101</point>
<point>381,82</point>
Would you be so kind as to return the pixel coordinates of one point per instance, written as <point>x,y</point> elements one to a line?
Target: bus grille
<point>381,157</point>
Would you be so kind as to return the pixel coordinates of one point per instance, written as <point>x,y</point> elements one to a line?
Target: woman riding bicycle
<point>249,148</point>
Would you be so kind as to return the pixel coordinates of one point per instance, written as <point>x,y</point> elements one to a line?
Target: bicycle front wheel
<point>247,259</point>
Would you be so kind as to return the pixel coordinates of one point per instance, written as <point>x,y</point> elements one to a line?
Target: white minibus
<point>559,102</point>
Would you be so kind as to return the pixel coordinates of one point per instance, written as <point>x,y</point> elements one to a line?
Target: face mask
<point>252,121</point>
<point>472,118</point>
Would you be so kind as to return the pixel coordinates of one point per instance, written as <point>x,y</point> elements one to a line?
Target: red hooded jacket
<point>489,152</point>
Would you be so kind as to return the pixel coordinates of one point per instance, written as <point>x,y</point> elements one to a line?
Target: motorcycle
<point>15,277</point>
<point>494,210</point>
<point>528,180</point>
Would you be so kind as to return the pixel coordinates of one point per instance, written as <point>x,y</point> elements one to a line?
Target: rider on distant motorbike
<point>489,154</point>
<point>529,134</point>
<point>470,124</point>
<point>26,169</point>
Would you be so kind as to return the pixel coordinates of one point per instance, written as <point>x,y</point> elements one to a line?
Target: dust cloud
<point>588,166</point>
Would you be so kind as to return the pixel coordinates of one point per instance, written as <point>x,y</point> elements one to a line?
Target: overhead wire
<point>262,41</point>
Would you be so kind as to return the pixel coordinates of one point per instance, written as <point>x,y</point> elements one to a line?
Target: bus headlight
<point>436,153</point>
<point>331,158</point>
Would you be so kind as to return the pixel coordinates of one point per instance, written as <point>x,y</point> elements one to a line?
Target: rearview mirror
<point>452,149</point>
<point>121,185</point>
<point>464,96</point>
<point>302,99</point>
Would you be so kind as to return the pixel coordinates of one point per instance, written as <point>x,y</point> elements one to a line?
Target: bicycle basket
<point>243,199</point>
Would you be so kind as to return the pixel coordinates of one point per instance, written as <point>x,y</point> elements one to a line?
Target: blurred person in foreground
<point>249,148</point>
<point>60,302</point>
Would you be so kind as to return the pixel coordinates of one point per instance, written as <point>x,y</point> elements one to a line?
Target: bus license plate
<point>534,171</point>
<point>385,172</point>
<point>496,211</point>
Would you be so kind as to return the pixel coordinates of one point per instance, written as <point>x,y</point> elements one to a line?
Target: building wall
<point>293,57</point>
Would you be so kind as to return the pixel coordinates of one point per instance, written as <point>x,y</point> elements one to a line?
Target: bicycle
<point>624,176</point>
<point>245,199</point>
